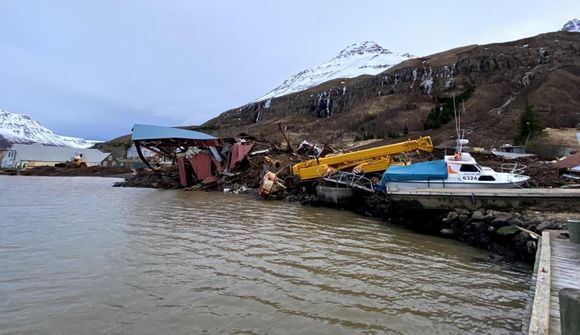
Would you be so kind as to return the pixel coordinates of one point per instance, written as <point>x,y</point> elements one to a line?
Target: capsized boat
<point>454,171</point>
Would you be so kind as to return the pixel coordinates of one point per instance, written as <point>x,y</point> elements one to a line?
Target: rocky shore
<point>511,234</point>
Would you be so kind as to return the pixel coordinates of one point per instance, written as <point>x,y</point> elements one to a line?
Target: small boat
<point>454,171</point>
<point>509,151</point>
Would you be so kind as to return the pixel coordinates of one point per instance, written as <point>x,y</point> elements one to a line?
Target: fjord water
<point>80,257</point>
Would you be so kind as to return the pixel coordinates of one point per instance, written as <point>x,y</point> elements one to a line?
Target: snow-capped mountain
<point>572,26</point>
<point>357,59</point>
<point>18,128</point>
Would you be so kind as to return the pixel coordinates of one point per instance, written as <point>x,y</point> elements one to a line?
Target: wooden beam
<point>540,320</point>
<point>138,147</point>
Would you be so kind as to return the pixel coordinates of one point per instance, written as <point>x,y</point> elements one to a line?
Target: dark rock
<point>461,211</point>
<point>546,225</point>
<point>463,218</point>
<point>536,220</point>
<point>531,246</point>
<point>478,225</point>
<point>515,222</point>
<point>447,232</point>
<point>499,214</point>
<point>452,216</point>
<point>477,215</point>
<point>499,222</point>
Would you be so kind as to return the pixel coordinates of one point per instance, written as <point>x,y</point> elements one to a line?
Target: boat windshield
<point>468,168</point>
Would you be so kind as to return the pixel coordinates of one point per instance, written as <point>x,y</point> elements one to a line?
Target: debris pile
<point>542,173</point>
<point>238,165</point>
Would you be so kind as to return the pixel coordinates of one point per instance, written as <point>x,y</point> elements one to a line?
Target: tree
<point>529,125</point>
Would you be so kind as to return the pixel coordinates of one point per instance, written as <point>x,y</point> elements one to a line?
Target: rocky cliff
<point>492,82</point>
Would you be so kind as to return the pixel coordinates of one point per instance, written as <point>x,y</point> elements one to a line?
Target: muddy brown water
<point>80,257</point>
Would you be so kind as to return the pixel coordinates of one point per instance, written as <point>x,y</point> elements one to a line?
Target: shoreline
<point>492,230</point>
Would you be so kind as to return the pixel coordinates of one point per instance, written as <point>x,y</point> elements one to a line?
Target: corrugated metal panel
<point>570,162</point>
<point>145,132</point>
<point>45,153</point>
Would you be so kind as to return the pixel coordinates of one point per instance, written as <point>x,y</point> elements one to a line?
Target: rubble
<point>91,171</point>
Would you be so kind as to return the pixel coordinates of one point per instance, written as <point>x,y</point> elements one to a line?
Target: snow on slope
<point>572,26</point>
<point>357,59</point>
<point>18,128</point>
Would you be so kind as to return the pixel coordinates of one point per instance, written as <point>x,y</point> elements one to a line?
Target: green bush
<point>529,126</point>
<point>444,112</point>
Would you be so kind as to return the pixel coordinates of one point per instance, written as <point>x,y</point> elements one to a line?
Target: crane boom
<point>367,160</point>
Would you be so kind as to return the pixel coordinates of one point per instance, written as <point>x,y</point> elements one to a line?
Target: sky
<point>93,68</point>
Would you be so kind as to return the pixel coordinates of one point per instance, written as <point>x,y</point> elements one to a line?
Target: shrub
<point>529,125</point>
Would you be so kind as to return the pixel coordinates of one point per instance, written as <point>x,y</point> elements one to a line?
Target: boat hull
<point>418,184</point>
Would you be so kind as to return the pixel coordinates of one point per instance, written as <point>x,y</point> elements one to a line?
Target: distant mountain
<point>572,26</point>
<point>19,128</point>
<point>357,59</point>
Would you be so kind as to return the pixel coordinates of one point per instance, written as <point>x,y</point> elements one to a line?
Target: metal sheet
<point>239,152</point>
<point>215,154</point>
<point>201,164</point>
<point>181,168</point>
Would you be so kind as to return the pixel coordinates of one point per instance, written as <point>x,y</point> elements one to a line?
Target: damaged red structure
<point>208,157</point>
<point>238,152</point>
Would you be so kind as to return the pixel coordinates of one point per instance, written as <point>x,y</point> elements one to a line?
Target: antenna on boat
<point>459,133</point>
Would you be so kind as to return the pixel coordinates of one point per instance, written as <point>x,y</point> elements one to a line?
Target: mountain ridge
<point>543,69</point>
<point>572,26</point>
<point>20,128</point>
<point>356,59</point>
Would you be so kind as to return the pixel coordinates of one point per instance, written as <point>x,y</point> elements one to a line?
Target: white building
<point>132,152</point>
<point>29,155</point>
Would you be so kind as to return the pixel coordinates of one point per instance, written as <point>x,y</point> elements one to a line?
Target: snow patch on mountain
<point>19,128</point>
<point>357,59</point>
<point>572,26</point>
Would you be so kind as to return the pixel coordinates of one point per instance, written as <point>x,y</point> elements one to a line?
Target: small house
<point>110,161</point>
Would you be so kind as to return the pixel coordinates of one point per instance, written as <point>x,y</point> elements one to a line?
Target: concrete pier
<point>473,199</point>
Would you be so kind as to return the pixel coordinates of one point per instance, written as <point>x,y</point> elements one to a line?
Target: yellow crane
<point>361,161</point>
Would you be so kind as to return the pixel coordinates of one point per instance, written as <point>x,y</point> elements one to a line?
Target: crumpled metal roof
<point>570,162</point>
<point>143,132</point>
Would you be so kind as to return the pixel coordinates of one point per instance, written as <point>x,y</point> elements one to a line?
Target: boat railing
<point>516,169</point>
<point>352,180</point>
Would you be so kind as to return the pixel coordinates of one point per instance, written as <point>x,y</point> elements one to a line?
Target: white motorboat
<point>454,171</point>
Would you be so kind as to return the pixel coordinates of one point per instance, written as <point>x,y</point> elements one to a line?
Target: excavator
<point>360,162</point>
<point>76,162</point>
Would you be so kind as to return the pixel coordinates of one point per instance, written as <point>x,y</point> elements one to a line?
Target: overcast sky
<point>92,68</point>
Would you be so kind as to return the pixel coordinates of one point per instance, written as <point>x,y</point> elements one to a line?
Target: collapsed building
<point>200,159</point>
